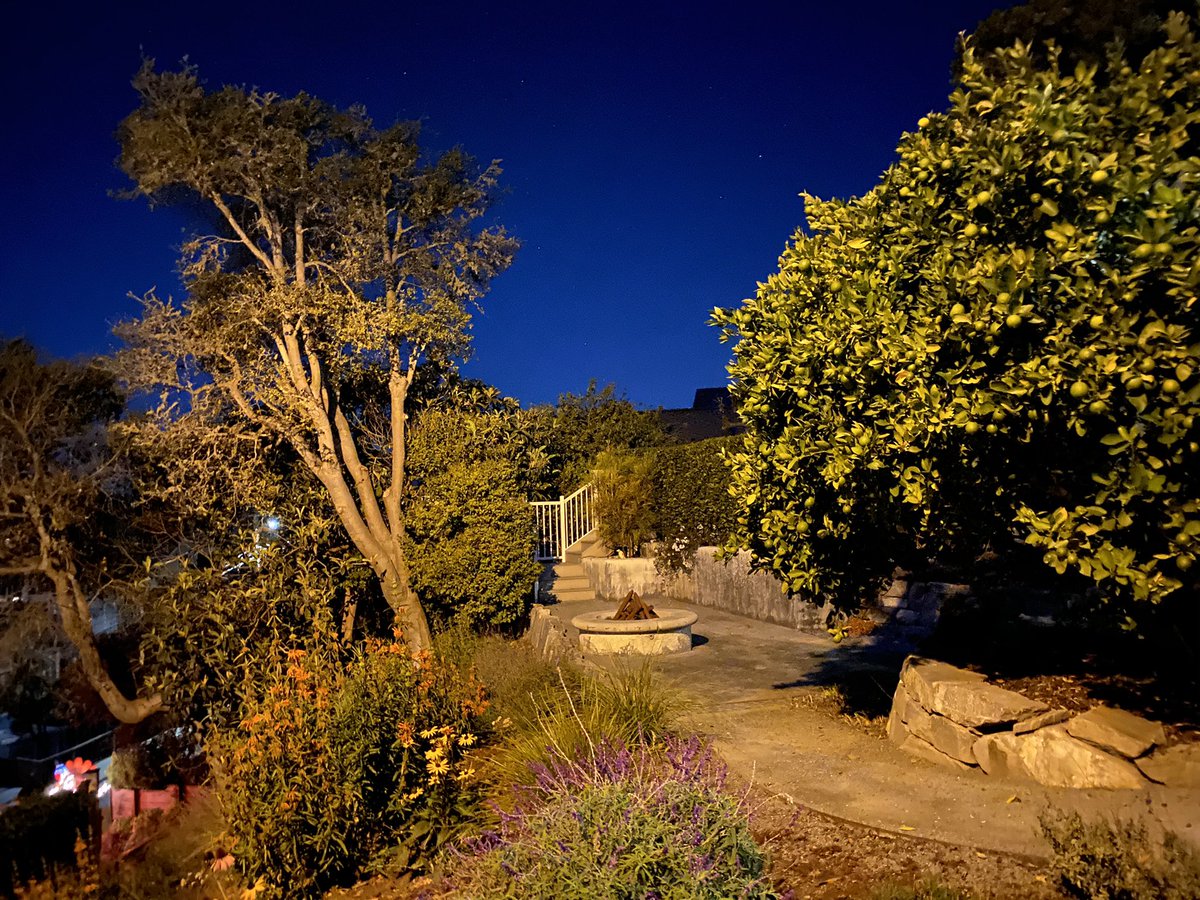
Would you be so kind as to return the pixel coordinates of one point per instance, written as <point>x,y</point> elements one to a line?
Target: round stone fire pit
<point>670,632</point>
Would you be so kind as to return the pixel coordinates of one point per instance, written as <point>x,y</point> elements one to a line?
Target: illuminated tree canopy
<point>340,263</point>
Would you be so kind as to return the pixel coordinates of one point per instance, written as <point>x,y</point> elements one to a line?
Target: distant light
<point>272,523</point>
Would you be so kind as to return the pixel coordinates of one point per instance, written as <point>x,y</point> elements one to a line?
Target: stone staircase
<point>569,583</point>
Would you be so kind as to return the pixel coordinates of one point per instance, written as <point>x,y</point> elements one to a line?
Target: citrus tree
<point>998,340</point>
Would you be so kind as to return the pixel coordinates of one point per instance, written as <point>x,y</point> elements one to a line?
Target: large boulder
<point>951,739</point>
<point>920,676</point>
<point>1056,759</point>
<point>1177,766</point>
<point>1116,730</point>
<point>964,697</point>
<point>918,747</point>
<point>999,754</point>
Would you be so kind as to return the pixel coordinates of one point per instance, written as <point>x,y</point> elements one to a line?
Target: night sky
<point>652,156</point>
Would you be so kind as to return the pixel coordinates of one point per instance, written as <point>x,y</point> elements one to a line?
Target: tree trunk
<point>393,580</point>
<point>349,611</point>
<point>79,632</point>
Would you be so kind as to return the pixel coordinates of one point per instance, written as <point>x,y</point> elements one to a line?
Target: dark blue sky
<point>653,155</point>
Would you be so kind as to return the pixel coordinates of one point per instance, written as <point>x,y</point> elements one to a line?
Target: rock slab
<point>1116,730</point>
<point>946,736</point>
<point>1056,759</point>
<point>921,676</point>
<point>1042,720</point>
<point>917,747</point>
<point>1000,755</point>
<point>1177,766</point>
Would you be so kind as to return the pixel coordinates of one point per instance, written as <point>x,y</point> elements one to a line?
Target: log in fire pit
<point>633,608</point>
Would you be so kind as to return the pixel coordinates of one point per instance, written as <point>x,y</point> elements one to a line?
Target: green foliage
<point>1102,861</point>
<point>170,757</point>
<point>344,261</point>
<point>571,711</point>
<point>177,860</point>
<point>471,529</point>
<point>622,499</point>
<point>691,500</point>
<point>38,835</point>
<point>581,426</point>
<point>1081,29</point>
<point>997,340</point>
<point>515,674</point>
<point>341,757</point>
<point>211,624</point>
<point>613,822</point>
<point>65,498</point>
<point>929,889</point>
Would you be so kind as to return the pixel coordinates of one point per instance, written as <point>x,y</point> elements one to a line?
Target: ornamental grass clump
<point>619,822</point>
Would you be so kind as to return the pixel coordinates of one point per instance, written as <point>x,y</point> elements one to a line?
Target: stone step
<point>570,595</point>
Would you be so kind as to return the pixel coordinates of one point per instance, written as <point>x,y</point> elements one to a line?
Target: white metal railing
<point>562,522</point>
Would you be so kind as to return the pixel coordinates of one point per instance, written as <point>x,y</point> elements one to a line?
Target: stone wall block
<point>999,754</point>
<point>1177,767</point>
<point>896,717</point>
<point>920,676</point>
<point>1056,759</point>
<point>1117,730</point>
<point>947,737</point>
<point>1042,720</point>
<point>918,747</point>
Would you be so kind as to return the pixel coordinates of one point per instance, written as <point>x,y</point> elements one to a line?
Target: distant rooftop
<point>710,415</point>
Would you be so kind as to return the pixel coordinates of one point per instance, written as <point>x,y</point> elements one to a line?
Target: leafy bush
<point>1099,861</point>
<point>691,501</point>
<point>339,759</point>
<point>212,625</point>
<point>581,426</point>
<point>470,527</point>
<point>171,757</point>
<point>622,505</point>
<point>83,879</point>
<point>620,823</point>
<point>514,673</point>
<point>38,836</point>
<point>998,340</point>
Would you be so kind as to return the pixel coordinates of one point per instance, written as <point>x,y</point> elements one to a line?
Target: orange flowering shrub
<point>342,757</point>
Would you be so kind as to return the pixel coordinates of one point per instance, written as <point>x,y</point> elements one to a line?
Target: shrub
<point>621,823</point>
<point>170,757</point>
<point>996,341</point>
<point>622,504</point>
<point>581,426</point>
<point>83,879</point>
<point>339,759</point>
<point>691,501</point>
<point>38,836</point>
<point>1102,861</point>
<point>470,527</point>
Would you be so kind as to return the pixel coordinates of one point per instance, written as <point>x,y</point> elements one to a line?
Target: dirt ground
<point>822,858</point>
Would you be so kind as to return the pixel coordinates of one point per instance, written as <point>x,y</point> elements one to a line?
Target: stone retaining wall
<point>726,585</point>
<point>957,718</point>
